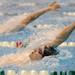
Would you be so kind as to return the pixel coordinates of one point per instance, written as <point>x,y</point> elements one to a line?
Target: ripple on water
<point>50,62</point>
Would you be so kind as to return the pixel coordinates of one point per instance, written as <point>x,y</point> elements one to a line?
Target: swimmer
<point>20,22</point>
<point>50,48</point>
<point>40,53</point>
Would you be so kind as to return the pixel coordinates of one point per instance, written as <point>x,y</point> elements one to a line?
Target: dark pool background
<point>11,8</point>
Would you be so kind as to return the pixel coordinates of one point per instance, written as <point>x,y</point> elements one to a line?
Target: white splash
<point>44,36</point>
<point>13,24</point>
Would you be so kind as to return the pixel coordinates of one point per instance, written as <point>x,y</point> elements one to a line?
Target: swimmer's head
<point>40,53</point>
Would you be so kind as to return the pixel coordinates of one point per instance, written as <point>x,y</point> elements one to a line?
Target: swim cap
<point>50,51</point>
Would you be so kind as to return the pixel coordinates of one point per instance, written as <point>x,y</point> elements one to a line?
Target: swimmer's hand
<point>73,24</point>
<point>54,6</point>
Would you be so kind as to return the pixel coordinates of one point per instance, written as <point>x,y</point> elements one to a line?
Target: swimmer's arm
<point>32,16</point>
<point>16,59</point>
<point>21,21</point>
<point>63,35</point>
<point>6,60</point>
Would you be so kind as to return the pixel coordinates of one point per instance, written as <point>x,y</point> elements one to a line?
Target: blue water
<point>10,8</point>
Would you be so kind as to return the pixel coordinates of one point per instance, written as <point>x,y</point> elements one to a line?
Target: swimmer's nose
<point>40,51</point>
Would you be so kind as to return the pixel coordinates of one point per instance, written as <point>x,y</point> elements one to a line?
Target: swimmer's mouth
<point>40,51</point>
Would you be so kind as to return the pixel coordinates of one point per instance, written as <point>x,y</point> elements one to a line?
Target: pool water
<point>65,60</point>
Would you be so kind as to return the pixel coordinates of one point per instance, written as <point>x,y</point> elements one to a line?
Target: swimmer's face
<point>36,55</point>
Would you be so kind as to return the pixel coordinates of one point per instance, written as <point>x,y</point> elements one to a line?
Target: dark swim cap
<point>50,51</point>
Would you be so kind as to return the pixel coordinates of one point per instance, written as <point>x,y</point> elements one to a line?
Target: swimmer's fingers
<point>73,24</point>
<point>54,6</point>
<point>51,4</point>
